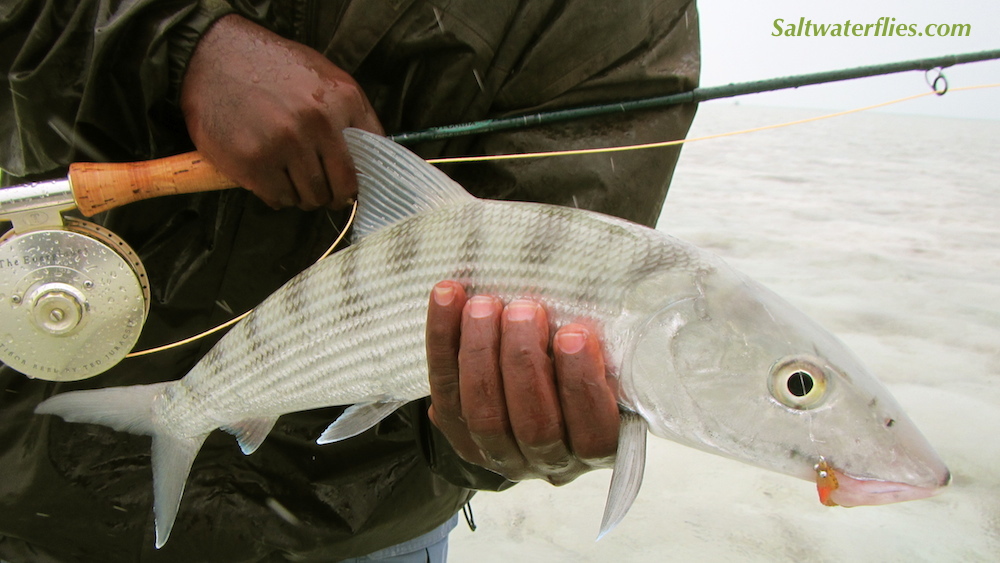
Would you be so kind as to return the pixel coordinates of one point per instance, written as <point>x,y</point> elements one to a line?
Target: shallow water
<point>885,229</point>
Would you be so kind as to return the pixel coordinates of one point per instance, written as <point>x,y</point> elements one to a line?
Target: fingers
<point>273,186</point>
<point>339,171</point>
<point>503,402</point>
<point>318,170</point>
<point>337,182</point>
<point>313,186</point>
<point>592,425</point>
<point>444,316</point>
<point>482,389</point>
<point>310,179</point>
<point>529,384</point>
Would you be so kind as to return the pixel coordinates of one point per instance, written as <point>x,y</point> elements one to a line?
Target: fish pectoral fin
<point>626,477</point>
<point>358,418</point>
<point>172,459</point>
<point>251,432</point>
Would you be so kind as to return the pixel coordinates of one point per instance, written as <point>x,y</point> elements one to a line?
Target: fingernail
<point>571,342</point>
<point>480,307</point>
<point>521,311</point>
<point>443,295</point>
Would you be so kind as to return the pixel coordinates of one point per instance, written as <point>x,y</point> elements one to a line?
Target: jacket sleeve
<point>94,79</point>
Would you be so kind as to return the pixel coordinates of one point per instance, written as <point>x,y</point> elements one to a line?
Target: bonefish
<point>701,354</point>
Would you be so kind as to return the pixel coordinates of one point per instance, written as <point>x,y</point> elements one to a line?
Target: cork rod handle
<point>99,187</point>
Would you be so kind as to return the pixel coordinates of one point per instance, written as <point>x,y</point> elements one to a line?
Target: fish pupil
<point>800,384</point>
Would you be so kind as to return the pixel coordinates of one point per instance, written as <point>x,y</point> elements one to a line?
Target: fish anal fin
<point>626,477</point>
<point>358,418</point>
<point>251,432</point>
<point>172,459</point>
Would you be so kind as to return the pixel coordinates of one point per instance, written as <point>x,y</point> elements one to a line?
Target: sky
<point>738,46</point>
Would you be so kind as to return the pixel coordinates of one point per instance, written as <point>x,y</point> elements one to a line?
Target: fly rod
<point>96,187</point>
<point>691,96</point>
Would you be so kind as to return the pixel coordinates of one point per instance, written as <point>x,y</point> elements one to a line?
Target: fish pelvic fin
<point>358,418</point>
<point>251,432</point>
<point>626,477</point>
<point>130,409</point>
<point>394,183</point>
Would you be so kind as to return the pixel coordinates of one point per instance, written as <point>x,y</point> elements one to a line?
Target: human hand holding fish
<point>503,402</point>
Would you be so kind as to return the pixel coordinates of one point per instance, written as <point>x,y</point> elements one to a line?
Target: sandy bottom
<point>886,229</point>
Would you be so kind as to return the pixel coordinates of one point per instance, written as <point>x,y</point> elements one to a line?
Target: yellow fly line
<point>683,141</point>
<point>354,210</point>
<point>234,320</point>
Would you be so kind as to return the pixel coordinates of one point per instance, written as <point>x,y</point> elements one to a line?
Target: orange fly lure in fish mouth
<point>826,482</point>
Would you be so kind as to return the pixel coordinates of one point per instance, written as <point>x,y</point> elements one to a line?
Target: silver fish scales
<point>373,296</point>
<point>702,355</point>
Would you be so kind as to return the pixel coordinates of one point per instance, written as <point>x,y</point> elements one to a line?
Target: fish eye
<point>797,383</point>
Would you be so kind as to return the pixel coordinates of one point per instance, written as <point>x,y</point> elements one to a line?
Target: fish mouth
<point>839,489</point>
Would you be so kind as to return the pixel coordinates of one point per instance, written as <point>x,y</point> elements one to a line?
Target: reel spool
<point>73,300</point>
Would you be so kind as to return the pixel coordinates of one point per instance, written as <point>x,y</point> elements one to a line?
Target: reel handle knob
<point>100,186</point>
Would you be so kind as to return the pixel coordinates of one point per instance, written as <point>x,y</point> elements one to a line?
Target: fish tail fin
<point>130,409</point>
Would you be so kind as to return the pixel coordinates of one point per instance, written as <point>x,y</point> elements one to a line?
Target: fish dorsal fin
<point>394,183</point>
<point>626,477</point>
<point>358,418</point>
<point>251,432</point>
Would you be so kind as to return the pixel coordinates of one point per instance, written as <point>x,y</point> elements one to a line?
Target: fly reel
<point>73,295</point>
<point>73,299</point>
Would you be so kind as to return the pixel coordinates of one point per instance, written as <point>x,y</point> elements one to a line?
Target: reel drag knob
<point>57,308</point>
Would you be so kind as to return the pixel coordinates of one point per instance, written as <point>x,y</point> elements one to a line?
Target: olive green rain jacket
<point>99,80</point>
